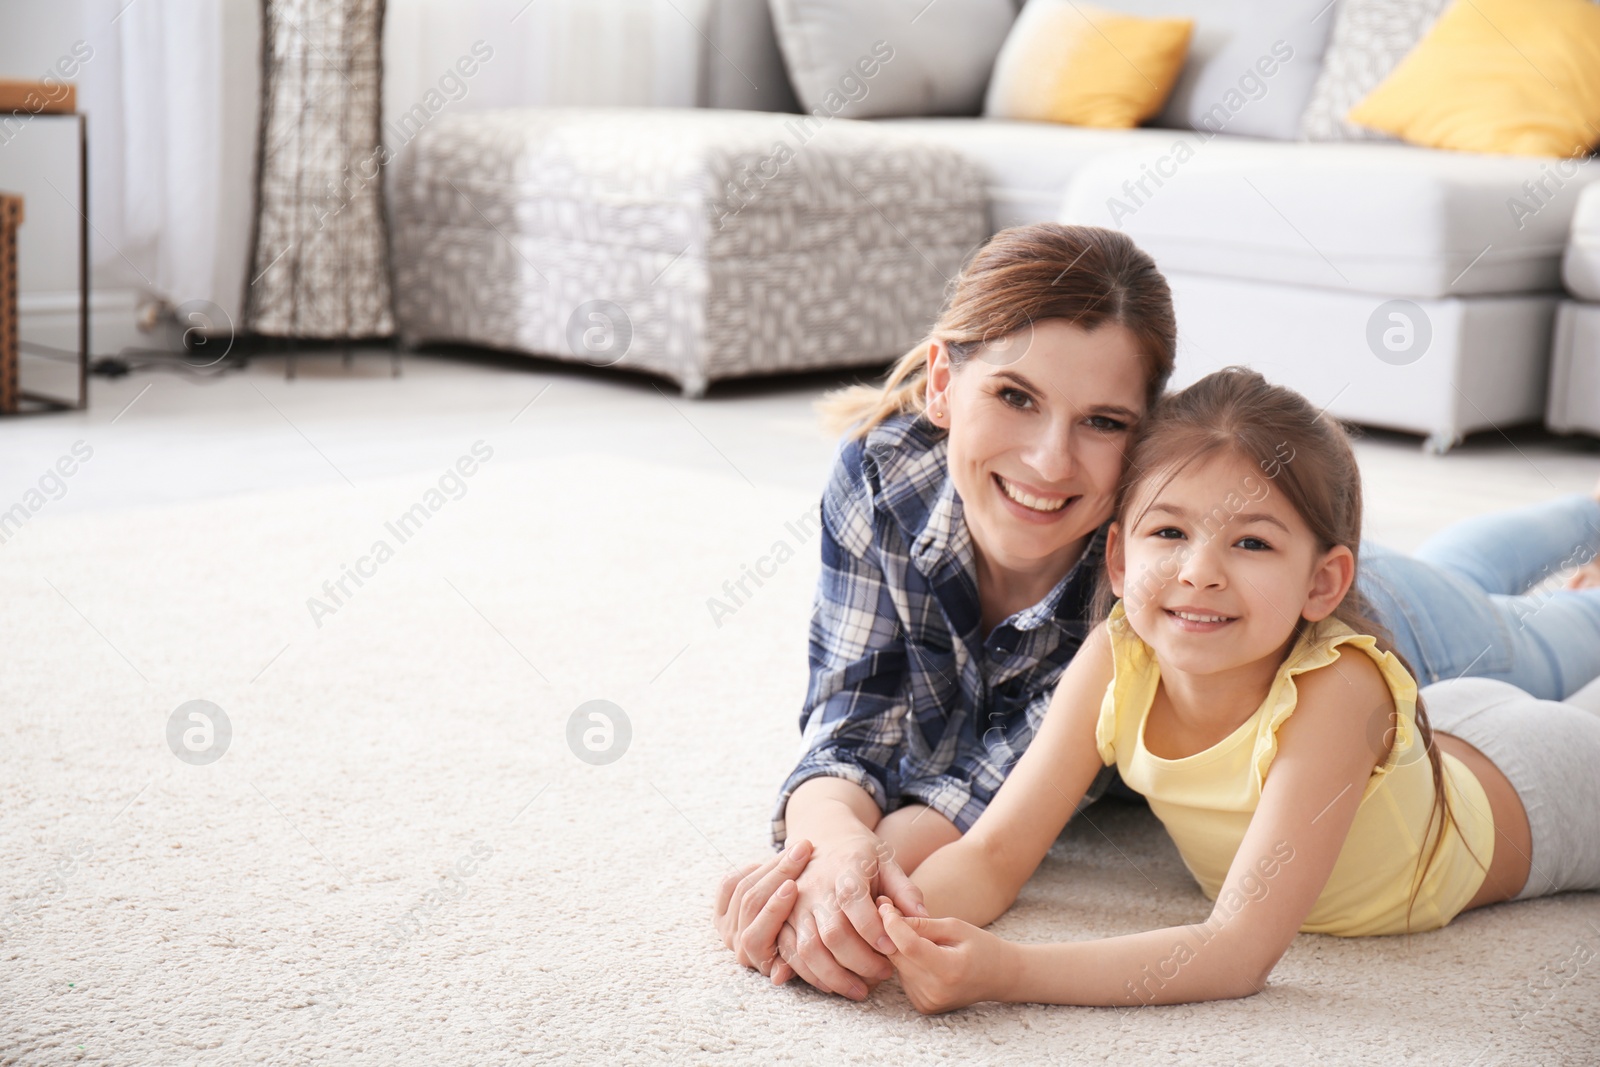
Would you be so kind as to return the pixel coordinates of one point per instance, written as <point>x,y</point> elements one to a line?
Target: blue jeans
<point>1460,605</point>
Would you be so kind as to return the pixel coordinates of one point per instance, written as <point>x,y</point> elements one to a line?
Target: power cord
<point>132,360</point>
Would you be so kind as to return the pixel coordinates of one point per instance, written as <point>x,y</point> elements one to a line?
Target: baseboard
<point>51,318</point>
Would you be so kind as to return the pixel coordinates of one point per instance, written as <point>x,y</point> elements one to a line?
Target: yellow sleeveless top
<point>1206,800</point>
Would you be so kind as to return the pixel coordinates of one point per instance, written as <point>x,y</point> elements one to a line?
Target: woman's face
<point>1044,414</point>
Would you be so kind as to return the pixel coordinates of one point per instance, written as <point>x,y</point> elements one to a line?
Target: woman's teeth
<point>1033,503</point>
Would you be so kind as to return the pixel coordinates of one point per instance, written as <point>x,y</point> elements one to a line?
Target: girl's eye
<point>1168,533</point>
<point>1005,393</point>
<point>1254,544</point>
<point>1107,424</point>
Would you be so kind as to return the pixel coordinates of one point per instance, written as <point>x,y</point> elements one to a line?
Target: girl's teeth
<point>1031,501</point>
<point>1200,618</point>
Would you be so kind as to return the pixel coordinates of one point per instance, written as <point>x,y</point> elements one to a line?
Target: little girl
<point>1240,685</point>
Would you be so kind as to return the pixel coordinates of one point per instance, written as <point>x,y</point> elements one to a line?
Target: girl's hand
<point>946,964</point>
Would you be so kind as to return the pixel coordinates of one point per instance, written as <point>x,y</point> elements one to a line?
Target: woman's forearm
<point>1175,965</point>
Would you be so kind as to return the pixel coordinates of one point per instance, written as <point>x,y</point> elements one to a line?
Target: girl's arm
<point>977,877</point>
<point>1326,754</point>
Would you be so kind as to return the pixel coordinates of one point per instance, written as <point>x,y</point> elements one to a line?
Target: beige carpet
<point>289,902</point>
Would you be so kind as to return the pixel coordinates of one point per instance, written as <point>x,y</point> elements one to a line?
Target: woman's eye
<point>1005,394</point>
<point>1254,544</point>
<point>1107,424</point>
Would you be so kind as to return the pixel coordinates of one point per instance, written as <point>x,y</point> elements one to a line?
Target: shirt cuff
<point>959,802</point>
<point>824,764</point>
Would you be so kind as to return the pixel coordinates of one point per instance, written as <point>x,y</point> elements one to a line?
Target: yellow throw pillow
<point>1514,77</point>
<point>1072,63</point>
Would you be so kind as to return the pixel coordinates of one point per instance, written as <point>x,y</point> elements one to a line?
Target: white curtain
<point>154,94</point>
<point>621,52</point>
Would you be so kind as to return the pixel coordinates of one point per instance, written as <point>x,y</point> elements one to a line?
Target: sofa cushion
<point>1370,37</point>
<point>1515,76</point>
<point>1365,217</point>
<point>932,61</point>
<point>1028,165</point>
<point>1251,63</point>
<point>1086,66</point>
<point>1581,268</point>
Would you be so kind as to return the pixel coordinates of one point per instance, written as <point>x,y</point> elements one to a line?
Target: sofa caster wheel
<point>694,387</point>
<point>1438,444</point>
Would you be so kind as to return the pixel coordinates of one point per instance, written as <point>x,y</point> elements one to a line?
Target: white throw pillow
<point>871,58</point>
<point>1251,65</point>
<point>1370,38</point>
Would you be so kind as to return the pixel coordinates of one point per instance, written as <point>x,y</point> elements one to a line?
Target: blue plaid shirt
<point>907,699</point>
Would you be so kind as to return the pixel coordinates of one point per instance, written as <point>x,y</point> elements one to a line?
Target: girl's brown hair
<point>1306,456</point>
<point>1085,274</point>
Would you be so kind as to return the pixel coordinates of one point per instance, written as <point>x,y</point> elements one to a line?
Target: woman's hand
<point>946,964</point>
<point>819,933</point>
<point>753,903</point>
<point>835,939</point>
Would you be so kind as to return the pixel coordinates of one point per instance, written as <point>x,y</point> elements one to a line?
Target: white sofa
<point>1397,285</point>
<point>1575,363</point>
<point>1401,287</point>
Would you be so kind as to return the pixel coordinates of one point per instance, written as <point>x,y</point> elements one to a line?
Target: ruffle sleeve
<point>1130,659</point>
<point>1395,719</point>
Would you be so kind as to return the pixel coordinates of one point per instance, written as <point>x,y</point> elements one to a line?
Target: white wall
<point>39,159</point>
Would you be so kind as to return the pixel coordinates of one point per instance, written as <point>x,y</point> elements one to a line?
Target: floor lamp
<point>319,251</point>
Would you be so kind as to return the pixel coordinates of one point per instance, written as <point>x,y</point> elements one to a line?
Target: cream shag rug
<point>398,858</point>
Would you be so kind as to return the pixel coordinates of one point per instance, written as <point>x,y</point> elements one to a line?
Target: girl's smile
<point>1196,620</point>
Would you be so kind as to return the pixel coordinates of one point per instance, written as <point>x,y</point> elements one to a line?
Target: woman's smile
<point>1031,505</point>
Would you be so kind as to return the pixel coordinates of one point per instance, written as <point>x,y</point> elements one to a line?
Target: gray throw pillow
<point>870,58</point>
<point>1370,38</point>
<point>1251,66</point>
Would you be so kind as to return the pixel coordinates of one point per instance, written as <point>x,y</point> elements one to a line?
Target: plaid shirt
<point>907,699</point>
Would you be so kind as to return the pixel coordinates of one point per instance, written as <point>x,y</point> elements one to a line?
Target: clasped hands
<point>849,917</point>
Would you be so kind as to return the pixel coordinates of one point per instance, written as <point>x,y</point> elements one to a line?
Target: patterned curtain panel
<point>319,261</point>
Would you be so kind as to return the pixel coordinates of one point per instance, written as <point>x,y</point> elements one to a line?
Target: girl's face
<point>1216,568</point>
<point>1044,415</point>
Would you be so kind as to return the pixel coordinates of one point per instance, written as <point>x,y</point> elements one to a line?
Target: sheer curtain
<point>624,52</point>
<point>171,99</point>
<point>173,91</point>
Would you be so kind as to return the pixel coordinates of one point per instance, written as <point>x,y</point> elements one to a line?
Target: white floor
<point>400,855</point>
<point>161,437</point>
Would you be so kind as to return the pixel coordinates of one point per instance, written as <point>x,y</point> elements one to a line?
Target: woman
<point>963,530</point>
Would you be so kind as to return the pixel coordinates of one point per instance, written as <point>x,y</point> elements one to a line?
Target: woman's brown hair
<point>1084,274</point>
<point>1306,456</point>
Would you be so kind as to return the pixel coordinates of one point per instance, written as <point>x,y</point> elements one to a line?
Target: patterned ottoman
<point>694,244</point>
